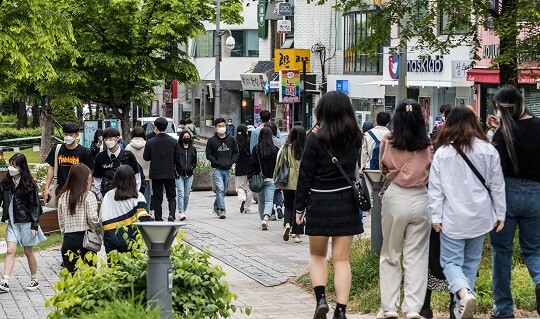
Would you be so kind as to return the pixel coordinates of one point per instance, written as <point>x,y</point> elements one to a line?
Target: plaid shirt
<point>86,214</point>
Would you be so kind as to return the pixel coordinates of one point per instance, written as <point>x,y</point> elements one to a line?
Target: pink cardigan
<point>415,174</point>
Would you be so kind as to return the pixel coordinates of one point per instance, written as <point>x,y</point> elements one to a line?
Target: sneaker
<point>287,233</point>
<point>412,315</point>
<point>279,210</point>
<point>242,206</point>
<point>464,309</point>
<point>33,285</point>
<point>222,214</point>
<point>4,287</point>
<point>297,239</point>
<point>170,218</point>
<point>264,225</point>
<point>216,211</point>
<point>182,216</point>
<point>321,310</point>
<point>273,217</point>
<point>387,314</point>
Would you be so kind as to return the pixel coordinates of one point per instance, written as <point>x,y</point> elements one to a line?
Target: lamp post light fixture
<point>376,180</point>
<point>159,236</point>
<point>217,51</point>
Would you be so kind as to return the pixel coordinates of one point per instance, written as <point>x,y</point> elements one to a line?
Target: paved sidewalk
<point>259,265</point>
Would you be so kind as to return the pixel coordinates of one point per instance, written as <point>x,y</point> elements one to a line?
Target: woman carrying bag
<point>290,154</point>
<point>77,213</point>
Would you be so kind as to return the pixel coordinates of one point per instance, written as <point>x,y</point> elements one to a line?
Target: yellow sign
<point>291,59</point>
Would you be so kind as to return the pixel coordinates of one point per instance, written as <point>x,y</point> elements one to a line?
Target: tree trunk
<point>35,114</point>
<point>22,116</point>
<point>508,68</point>
<point>46,123</point>
<point>125,123</point>
<point>96,115</point>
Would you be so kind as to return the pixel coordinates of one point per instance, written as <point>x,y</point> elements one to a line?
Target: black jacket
<point>267,163</point>
<point>242,164</point>
<point>188,158</point>
<point>163,152</point>
<point>222,152</point>
<point>26,206</point>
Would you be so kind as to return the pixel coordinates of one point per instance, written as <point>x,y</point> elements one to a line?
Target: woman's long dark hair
<point>409,127</point>
<point>77,186</point>
<point>266,147</point>
<point>336,122</point>
<point>242,138</point>
<point>460,128</point>
<point>125,184</point>
<point>297,140</point>
<point>26,182</point>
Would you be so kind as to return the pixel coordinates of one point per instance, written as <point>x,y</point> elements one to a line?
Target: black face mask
<point>186,140</point>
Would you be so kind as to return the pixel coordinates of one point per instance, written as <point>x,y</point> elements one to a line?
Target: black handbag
<point>359,187</point>
<point>283,175</point>
<point>256,183</point>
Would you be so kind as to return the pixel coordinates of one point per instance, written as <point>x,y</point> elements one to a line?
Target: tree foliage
<point>516,22</point>
<point>125,46</point>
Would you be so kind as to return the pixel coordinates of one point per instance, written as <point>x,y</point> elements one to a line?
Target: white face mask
<point>13,171</point>
<point>69,140</point>
<point>221,130</point>
<point>110,144</point>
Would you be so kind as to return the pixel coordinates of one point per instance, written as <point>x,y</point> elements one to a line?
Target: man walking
<point>372,140</point>
<point>163,152</point>
<point>108,161</point>
<point>265,118</point>
<point>69,154</point>
<point>222,152</point>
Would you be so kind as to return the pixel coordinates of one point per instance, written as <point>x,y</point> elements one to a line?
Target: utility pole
<point>303,88</point>
<point>217,49</point>
<point>402,77</point>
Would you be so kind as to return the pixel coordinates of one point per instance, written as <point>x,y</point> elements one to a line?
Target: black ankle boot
<point>339,315</point>
<point>426,313</point>
<point>321,310</point>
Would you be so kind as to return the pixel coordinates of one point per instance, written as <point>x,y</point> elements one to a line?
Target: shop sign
<point>284,9</point>
<point>253,81</point>
<point>460,67</point>
<point>291,59</point>
<point>426,65</point>
<point>490,51</point>
<point>284,26</point>
<point>262,24</point>
<point>290,86</point>
<point>274,84</point>
<point>342,86</point>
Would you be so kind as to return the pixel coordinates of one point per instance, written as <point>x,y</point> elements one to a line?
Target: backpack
<point>374,161</point>
<point>106,180</point>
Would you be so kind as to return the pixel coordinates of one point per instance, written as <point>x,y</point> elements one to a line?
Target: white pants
<point>406,227</point>
<point>243,191</point>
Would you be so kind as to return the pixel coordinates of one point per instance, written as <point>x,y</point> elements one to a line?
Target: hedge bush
<point>11,132</point>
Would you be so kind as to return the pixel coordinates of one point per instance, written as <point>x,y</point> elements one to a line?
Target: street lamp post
<point>217,49</point>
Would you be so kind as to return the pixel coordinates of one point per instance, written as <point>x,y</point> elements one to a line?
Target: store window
<point>419,11</point>
<point>531,97</point>
<point>203,45</point>
<point>246,43</point>
<point>446,26</point>
<point>356,28</point>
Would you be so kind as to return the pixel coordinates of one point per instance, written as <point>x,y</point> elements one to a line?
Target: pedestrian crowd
<point>443,193</point>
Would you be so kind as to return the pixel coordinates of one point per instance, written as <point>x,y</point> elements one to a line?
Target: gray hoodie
<point>136,146</point>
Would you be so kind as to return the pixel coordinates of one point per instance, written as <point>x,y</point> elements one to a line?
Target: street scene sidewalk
<point>260,265</point>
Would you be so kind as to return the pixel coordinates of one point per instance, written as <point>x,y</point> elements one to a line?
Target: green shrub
<point>203,167</point>
<point>199,289</point>
<point>11,132</point>
<point>123,309</point>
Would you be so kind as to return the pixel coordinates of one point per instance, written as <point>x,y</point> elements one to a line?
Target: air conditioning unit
<point>210,90</point>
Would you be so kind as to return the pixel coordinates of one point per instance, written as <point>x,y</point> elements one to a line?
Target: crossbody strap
<point>338,164</point>
<point>373,136</point>
<point>56,151</point>
<point>260,164</point>
<point>473,168</point>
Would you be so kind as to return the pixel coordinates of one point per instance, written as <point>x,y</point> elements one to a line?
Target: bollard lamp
<point>375,179</point>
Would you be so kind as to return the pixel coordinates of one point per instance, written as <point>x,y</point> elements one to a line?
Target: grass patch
<point>31,156</point>
<point>53,240</point>
<point>365,297</point>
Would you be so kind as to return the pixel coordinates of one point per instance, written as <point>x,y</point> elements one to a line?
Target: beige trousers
<point>243,191</point>
<point>406,227</point>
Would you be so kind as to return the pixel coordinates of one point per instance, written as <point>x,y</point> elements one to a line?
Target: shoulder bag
<point>283,175</point>
<point>388,181</point>
<point>92,240</point>
<point>473,168</point>
<point>256,183</point>
<point>359,187</point>
<point>52,188</point>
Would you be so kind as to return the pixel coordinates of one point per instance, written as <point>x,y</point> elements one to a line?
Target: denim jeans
<point>266,199</point>
<point>148,195</point>
<point>221,180</point>
<point>278,197</point>
<point>460,259</point>
<point>183,188</point>
<point>523,211</point>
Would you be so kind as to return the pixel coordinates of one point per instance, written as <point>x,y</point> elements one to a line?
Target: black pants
<point>73,243</point>
<point>290,214</point>
<point>157,196</point>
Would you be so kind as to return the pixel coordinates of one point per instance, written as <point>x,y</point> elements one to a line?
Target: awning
<point>411,83</point>
<point>491,76</point>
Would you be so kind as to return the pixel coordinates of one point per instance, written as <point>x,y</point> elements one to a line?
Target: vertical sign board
<point>90,128</point>
<point>291,59</point>
<point>290,86</point>
<point>262,24</point>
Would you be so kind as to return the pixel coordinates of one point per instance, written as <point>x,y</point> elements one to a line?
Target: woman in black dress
<point>327,197</point>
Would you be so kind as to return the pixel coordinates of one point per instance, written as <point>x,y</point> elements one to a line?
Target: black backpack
<point>374,161</point>
<point>106,180</point>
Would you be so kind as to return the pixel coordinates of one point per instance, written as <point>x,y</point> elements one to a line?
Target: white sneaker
<point>182,216</point>
<point>464,309</point>
<point>33,285</point>
<point>264,225</point>
<point>412,315</point>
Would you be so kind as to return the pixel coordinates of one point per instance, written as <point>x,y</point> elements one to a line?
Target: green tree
<point>32,32</point>
<point>514,21</point>
<point>125,46</point>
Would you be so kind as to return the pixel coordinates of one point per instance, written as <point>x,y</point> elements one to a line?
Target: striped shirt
<point>85,217</point>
